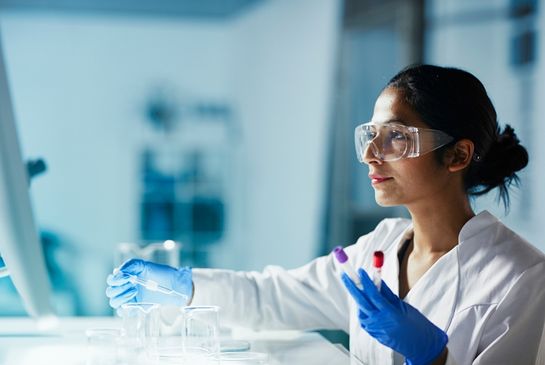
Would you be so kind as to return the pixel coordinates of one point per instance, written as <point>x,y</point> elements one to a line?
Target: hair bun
<point>513,154</point>
<point>505,157</point>
<point>508,138</point>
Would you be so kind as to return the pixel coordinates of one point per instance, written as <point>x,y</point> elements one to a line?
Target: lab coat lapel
<point>435,294</point>
<point>390,271</point>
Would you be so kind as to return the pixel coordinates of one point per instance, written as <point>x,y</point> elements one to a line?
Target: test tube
<point>342,258</point>
<point>378,261</point>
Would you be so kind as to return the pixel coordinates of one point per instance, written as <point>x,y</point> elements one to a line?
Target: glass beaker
<point>171,325</point>
<point>103,346</point>
<point>141,329</point>
<point>200,340</point>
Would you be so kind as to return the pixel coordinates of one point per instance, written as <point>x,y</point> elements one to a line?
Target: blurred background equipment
<point>185,171</point>
<point>166,253</point>
<point>20,247</point>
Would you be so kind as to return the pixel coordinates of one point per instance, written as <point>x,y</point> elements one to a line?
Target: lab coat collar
<point>476,225</point>
<point>472,227</point>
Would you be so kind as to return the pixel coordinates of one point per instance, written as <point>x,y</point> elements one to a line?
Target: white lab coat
<point>487,293</point>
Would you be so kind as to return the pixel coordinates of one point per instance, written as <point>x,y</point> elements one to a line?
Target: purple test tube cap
<point>340,255</point>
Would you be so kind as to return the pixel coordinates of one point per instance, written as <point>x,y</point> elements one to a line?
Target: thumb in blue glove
<point>122,287</point>
<point>396,324</point>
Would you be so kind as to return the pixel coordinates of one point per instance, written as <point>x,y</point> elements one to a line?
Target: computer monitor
<point>20,247</point>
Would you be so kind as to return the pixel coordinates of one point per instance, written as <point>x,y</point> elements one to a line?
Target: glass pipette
<point>153,285</point>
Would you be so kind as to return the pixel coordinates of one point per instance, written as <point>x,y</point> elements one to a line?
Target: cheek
<point>426,183</point>
<point>413,181</point>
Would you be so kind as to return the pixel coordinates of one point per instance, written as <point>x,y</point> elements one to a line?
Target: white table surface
<point>21,343</point>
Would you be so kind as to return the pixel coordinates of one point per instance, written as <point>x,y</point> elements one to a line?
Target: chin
<point>387,201</point>
<point>386,204</point>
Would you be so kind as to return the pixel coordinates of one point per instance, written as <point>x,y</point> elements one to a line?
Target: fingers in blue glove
<point>391,297</point>
<point>114,291</point>
<point>400,326</point>
<point>363,319</point>
<point>384,297</point>
<point>366,281</point>
<point>117,279</point>
<point>359,295</point>
<point>371,292</point>
<point>121,292</point>
<point>133,266</point>
<point>124,297</point>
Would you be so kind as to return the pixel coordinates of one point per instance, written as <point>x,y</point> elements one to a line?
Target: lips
<point>377,179</point>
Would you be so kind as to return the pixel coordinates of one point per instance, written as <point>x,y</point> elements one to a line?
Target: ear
<point>460,155</point>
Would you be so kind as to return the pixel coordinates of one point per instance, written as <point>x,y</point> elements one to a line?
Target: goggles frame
<point>416,140</point>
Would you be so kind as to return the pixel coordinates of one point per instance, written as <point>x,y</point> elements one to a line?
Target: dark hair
<point>456,102</point>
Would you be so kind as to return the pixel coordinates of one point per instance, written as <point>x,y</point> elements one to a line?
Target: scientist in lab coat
<point>458,287</point>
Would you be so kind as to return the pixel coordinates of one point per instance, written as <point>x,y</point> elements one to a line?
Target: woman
<point>472,291</point>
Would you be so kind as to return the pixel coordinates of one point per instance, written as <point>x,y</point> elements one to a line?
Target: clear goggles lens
<point>391,142</point>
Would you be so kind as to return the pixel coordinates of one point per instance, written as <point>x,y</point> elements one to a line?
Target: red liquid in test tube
<point>378,261</point>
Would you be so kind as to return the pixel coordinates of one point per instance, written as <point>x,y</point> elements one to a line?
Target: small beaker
<point>140,325</point>
<point>200,337</point>
<point>103,346</point>
<point>171,326</point>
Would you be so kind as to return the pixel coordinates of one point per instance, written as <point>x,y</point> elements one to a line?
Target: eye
<point>396,135</point>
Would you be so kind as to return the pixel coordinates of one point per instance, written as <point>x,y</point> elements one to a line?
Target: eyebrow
<point>397,121</point>
<point>394,121</point>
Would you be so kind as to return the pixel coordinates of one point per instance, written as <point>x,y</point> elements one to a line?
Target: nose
<point>370,154</point>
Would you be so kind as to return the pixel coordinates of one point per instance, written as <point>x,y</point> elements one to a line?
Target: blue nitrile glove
<point>395,323</point>
<point>121,290</point>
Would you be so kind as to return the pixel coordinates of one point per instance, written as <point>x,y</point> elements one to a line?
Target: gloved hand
<point>395,323</point>
<point>121,290</point>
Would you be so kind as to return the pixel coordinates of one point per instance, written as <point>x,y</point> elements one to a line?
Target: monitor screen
<point>20,247</point>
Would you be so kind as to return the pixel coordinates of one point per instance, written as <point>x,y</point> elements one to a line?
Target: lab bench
<point>22,344</point>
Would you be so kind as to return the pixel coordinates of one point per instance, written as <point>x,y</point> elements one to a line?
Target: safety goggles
<point>393,141</point>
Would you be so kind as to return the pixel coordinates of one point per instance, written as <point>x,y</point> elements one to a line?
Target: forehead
<point>391,107</point>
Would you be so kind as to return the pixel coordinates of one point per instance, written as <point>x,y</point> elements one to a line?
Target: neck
<point>437,224</point>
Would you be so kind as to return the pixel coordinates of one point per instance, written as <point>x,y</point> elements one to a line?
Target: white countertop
<point>21,343</point>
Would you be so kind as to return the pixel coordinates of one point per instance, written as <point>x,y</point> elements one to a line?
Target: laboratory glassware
<point>171,326</point>
<point>140,324</point>
<point>200,337</point>
<point>342,258</point>
<point>378,261</point>
<point>155,286</point>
